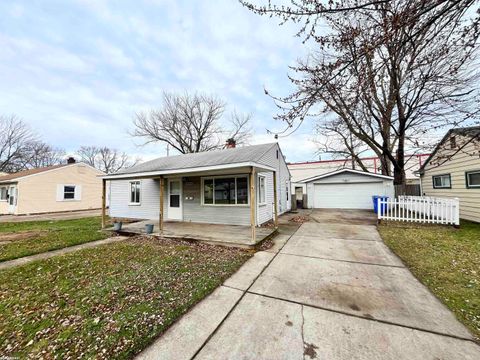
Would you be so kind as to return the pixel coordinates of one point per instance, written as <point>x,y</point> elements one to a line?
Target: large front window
<point>232,190</point>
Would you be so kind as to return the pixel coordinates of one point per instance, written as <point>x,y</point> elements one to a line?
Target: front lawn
<point>18,239</point>
<point>107,302</point>
<point>445,259</point>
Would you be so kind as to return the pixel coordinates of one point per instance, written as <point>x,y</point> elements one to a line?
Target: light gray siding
<point>274,158</point>
<point>194,211</point>
<point>149,207</point>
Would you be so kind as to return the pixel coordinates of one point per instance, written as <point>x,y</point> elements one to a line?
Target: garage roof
<point>332,173</point>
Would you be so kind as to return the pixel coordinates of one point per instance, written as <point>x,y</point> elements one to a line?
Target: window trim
<point>130,203</point>
<point>441,187</point>
<point>74,192</point>
<point>264,178</point>
<point>467,184</point>
<point>202,188</point>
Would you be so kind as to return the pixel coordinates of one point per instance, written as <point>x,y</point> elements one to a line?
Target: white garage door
<point>346,196</point>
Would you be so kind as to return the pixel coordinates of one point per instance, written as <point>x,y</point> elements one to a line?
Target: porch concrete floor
<point>232,235</point>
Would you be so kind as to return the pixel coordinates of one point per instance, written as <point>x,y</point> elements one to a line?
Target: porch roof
<point>242,157</point>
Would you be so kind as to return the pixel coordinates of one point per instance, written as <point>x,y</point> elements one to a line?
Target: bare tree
<point>190,123</point>
<point>240,130</point>
<point>15,139</point>
<point>106,159</point>
<point>391,71</point>
<point>336,140</point>
<point>39,154</point>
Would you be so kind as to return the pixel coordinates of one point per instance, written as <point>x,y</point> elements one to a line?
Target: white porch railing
<point>420,209</point>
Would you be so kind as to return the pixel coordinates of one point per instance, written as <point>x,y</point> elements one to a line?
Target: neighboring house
<point>67,187</point>
<point>453,170</point>
<point>346,189</point>
<point>310,169</point>
<point>231,186</point>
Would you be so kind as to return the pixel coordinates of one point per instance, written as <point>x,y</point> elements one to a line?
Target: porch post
<point>252,203</point>
<point>160,216</point>
<point>275,201</point>
<point>104,202</point>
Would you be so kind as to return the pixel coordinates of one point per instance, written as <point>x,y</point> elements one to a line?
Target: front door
<point>175,199</point>
<point>12,199</point>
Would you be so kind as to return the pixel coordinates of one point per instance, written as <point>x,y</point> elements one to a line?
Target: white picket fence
<point>422,209</point>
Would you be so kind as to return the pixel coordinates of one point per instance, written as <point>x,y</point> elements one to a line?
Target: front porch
<point>229,235</point>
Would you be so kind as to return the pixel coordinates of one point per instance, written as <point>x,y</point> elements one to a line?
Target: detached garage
<point>347,189</point>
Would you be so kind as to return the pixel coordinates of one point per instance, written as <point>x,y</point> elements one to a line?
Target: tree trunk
<point>399,177</point>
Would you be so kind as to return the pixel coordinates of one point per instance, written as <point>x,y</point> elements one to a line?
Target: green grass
<point>107,302</point>
<point>445,259</point>
<point>39,236</point>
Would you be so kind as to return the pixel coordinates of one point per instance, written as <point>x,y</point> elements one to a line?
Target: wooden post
<point>252,203</point>
<point>160,217</point>
<point>275,201</point>
<point>104,202</point>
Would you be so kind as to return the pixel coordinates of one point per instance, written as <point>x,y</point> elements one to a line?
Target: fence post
<point>457,212</point>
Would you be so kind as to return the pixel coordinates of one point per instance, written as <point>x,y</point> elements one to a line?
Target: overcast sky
<point>77,71</point>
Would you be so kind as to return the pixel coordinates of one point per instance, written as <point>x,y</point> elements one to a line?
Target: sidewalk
<point>27,259</point>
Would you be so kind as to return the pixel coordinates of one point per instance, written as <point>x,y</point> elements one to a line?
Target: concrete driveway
<point>330,290</point>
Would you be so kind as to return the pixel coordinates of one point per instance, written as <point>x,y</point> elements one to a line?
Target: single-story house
<point>347,189</point>
<point>453,170</point>
<point>236,186</point>
<point>67,187</point>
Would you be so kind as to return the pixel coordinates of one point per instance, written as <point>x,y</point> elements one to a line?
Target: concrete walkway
<point>28,259</point>
<point>328,291</point>
<point>51,216</point>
